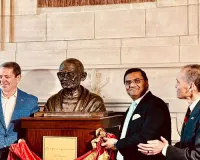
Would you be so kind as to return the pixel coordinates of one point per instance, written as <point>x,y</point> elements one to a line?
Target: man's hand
<point>152,147</point>
<point>109,143</point>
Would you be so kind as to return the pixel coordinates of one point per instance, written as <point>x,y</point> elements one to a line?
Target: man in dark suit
<point>188,87</point>
<point>14,104</point>
<point>147,117</point>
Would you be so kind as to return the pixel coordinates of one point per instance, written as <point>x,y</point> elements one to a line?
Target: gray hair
<point>192,73</point>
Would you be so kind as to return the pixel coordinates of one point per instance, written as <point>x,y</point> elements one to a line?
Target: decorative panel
<point>66,3</point>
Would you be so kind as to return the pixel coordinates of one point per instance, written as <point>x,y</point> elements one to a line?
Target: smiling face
<point>135,85</point>
<point>182,86</point>
<point>8,80</point>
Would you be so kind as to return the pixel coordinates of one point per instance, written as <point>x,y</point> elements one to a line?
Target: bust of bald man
<point>73,97</point>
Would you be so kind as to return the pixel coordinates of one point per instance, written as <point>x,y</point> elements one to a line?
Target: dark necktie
<point>187,116</point>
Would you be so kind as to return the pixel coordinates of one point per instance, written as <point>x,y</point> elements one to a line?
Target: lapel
<point>1,113</point>
<point>18,105</point>
<point>141,107</point>
<point>190,124</point>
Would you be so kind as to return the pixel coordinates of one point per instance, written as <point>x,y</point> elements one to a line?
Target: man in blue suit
<point>188,87</point>
<point>14,104</point>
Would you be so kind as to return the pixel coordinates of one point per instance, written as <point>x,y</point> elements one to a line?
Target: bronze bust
<point>73,97</point>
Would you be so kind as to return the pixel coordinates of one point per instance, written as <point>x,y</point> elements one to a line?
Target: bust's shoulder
<point>94,102</point>
<point>55,95</point>
<point>96,96</point>
<point>92,95</point>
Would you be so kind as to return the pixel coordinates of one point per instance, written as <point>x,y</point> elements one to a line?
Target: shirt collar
<point>137,101</point>
<point>194,104</point>
<point>14,95</point>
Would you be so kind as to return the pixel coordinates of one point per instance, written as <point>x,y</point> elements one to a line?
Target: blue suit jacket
<point>26,104</point>
<point>189,146</point>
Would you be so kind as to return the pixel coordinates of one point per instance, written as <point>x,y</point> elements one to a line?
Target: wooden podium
<point>82,128</point>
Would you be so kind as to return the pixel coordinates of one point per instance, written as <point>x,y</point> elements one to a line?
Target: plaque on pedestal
<point>59,148</point>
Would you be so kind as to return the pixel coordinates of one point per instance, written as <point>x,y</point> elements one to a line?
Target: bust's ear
<point>83,76</point>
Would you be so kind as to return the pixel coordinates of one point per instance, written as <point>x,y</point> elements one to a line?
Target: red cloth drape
<point>20,151</point>
<point>99,152</point>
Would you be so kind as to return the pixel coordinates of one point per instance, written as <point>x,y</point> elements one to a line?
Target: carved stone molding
<point>67,3</point>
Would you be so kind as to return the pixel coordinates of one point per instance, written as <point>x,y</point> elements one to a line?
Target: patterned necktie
<point>125,126</point>
<point>187,116</point>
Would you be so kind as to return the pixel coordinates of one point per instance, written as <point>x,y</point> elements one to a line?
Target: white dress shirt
<point>126,122</point>
<point>164,151</point>
<point>8,105</point>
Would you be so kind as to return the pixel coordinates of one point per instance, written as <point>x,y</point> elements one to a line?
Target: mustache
<point>137,87</point>
<point>67,81</point>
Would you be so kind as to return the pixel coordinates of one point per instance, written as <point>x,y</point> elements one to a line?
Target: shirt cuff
<point>164,151</point>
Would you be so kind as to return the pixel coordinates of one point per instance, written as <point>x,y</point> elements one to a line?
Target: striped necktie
<point>125,126</point>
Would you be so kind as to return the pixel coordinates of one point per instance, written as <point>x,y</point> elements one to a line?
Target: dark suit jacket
<point>154,122</point>
<point>26,104</point>
<point>189,146</point>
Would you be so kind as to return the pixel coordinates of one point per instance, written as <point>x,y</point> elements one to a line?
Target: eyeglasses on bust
<point>65,74</point>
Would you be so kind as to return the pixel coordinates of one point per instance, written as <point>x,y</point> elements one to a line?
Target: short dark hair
<point>16,68</point>
<point>131,70</point>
